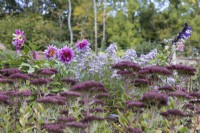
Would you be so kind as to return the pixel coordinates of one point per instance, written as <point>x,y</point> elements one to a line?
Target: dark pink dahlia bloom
<point>81,45</point>
<point>65,54</point>
<point>50,52</point>
<point>18,40</point>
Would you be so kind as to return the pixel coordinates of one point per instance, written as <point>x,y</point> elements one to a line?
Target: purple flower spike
<point>81,45</point>
<point>65,54</point>
<point>50,52</point>
<point>18,40</point>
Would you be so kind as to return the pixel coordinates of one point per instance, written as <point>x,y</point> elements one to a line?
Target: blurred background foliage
<point>138,24</point>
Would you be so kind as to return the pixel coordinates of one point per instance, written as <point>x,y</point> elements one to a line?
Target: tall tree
<point>69,22</point>
<point>95,24</point>
<point>103,42</point>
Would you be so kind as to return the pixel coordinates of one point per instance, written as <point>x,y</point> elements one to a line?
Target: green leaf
<point>122,119</point>
<point>117,127</point>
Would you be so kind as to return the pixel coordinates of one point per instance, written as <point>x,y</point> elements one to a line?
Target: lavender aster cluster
<point>111,53</point>
<point>145,59</point>
<point>130,55</point>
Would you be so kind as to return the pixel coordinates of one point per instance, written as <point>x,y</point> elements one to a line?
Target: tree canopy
<point>129,23</point>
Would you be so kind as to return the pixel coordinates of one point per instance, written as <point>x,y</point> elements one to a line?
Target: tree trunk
<point>103,43</point>
<point>69,22</point>
<point>95,25</point>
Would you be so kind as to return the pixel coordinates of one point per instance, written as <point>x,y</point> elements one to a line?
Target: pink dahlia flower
<point>65,54</point>
<point>18,40</point>
<point>81,45</point>
<point>50,52</point>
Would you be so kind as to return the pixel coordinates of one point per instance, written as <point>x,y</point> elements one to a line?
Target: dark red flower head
<point>155,98</point>
<point>92,118</point>
<point>182,69</point>
<point>52,100</point>
<point>54,127</point>
<point>127,65</point>
<point>17,76</point>
<point>70,81</point>
<point>88,86</point>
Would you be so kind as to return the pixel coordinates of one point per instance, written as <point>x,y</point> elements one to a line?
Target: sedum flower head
<point>65,54</point>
